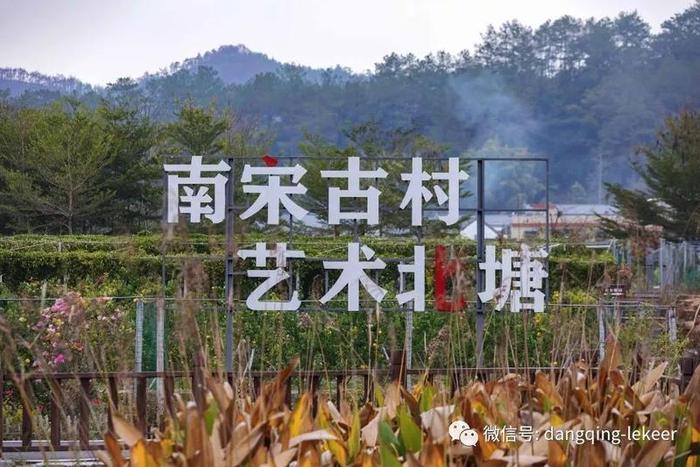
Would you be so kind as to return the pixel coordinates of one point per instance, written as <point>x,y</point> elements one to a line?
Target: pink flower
<point>60,306</point>
<point>59,359</point>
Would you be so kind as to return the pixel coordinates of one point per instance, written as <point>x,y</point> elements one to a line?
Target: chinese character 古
<point>353,176</point>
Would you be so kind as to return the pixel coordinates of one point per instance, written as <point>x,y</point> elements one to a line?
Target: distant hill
<point>19,80</point>
<point>234,64</point>
<point>237,64</point>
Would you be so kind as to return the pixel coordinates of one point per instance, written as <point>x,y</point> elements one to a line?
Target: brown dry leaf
<point>237,452</point>
<point>652,452</point>
<point>546,392</point>
<point>610,361</point>
<point>370,430</point>
<point>318,435</point>
<point>217,449</point>
<point>114,450</point>
<point>128,433</point>
<point>411,402</point>
<point>283,458</point>
<point>432,454</point>
<point>197,445</point>
<point>592,454</point>
<point>218,391</point>
<point>139,456</point>
<point>650,379</point>
<point>300,420</point>
<point>556,454</point>
<point>436,420</point>
<point>310,458</point>
<point>392,400</point>
<point>525,460</point>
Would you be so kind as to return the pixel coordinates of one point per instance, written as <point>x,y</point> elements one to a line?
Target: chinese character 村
<point>353,175</point>
<point>274,193</point>
<point>272,277</point>
<point>353,274</point>
<point>521,281</point>
<point>453,176</point>
<point>196,201</point>
<point>416,193</point>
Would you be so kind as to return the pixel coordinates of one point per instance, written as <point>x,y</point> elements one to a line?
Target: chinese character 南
<point>272,276</point>
<point>196,200</point>
<point>522,278</point>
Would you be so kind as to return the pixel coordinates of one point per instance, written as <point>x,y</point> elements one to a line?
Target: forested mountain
<point>236,64</point>
<point>584,92</point>
<point>16,81</point>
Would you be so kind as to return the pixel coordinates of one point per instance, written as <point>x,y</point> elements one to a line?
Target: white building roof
<point>470,232</point>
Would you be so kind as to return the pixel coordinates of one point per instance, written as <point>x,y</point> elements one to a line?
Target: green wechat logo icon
<point>460,430</point>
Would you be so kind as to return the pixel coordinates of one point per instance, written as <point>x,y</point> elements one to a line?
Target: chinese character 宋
<point>274,193</point>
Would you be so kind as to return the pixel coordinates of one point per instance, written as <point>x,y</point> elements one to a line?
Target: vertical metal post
<point>139,336</point>
<point>601,332</point>
<point>672,326</point>
<point>408,335</point>
<point>662,259</point>
<point>160,352</point>
<point>164,226</point>
<point>480,257</point>
<point>228,289</point>
<point>547,226</point>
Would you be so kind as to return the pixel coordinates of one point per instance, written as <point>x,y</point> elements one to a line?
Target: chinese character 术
<point>353,274</point>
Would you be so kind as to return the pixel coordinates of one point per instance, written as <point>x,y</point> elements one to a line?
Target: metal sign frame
<point>480,210</point>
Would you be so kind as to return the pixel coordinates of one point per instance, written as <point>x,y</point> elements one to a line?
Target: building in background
<point>576,221</point>
<point>495,226</point>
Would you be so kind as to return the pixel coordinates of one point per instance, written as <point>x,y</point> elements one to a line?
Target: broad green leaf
<point>409,433</point>
<point>426,398</point>
<point>354,437</point>
<point>388,457</point>
<point>378,395</point>
<point>387,436</point>
<point>210,415</point>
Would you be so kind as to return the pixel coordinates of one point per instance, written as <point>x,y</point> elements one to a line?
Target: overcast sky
<point>101,40</point>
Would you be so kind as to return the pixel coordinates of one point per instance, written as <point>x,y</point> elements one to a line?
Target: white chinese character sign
<point>198,190</point>
<point>192,194</point>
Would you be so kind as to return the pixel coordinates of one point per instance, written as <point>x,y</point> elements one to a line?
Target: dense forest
<point>585,93</point>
